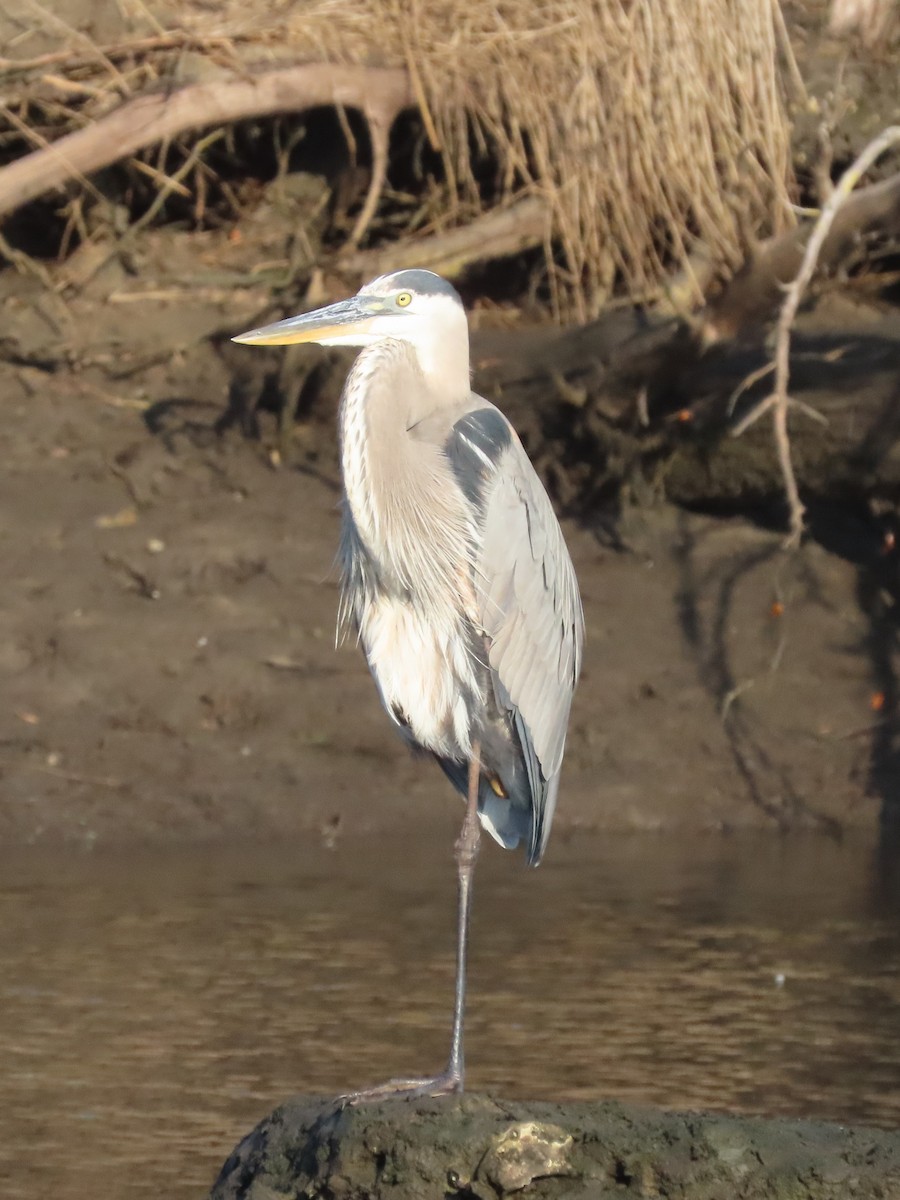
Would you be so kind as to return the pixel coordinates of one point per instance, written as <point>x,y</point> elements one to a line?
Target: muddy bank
<point>478,1147</point>
<point>167,659</point>
<point>169,666</point>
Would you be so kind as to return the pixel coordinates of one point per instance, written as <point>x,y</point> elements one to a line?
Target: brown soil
<point>167,625</point>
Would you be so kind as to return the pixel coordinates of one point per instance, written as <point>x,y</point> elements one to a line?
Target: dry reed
<point>654,129</point>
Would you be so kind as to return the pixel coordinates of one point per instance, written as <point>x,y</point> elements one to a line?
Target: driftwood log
<point>484,1149</point>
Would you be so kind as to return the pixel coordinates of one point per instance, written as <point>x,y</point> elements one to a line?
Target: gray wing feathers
<point>531,611</point>
<point>529,604</point>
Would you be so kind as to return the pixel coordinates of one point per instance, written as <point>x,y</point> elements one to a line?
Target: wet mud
<point>473,1146</point>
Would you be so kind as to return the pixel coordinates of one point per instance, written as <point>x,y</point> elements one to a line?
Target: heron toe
<point>446,1084</point>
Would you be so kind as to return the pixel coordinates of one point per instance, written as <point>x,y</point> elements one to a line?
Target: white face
<point>382,309</point>
<point>431,320</point>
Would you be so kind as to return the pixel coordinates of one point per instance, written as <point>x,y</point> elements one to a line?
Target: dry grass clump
<point>649,127</point>
<point>652,128</point>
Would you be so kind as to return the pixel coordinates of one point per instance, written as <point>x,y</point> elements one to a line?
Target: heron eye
<point>404,299</point>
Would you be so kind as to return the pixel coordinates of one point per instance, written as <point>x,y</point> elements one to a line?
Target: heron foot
<point>406,1089</point>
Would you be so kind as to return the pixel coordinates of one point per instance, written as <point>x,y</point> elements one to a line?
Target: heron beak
<point>340,322</point>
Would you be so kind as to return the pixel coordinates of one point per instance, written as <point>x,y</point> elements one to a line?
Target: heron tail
<point>504,811</point>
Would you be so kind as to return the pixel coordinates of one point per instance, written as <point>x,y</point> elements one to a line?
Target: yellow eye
<point>404,299</point>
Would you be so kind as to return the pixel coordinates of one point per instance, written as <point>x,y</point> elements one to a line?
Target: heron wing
<point>527,599</point>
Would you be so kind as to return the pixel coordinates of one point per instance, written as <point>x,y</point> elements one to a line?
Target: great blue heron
<point>455,574</point>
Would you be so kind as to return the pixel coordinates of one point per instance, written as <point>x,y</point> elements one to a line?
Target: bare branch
<point>379,93</point>
<point>496,234</point>
<point>779,400</point>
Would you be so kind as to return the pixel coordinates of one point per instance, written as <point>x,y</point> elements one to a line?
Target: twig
<point>161,178</point>
<point>71,60</point>
<point>171,183</point>
<point>734,694</point>
<point>91,47</point>
<point>760,410</point>
<point>787,50</point>
<point>379,123</point>
<point>419,91</point>
<point>72,87</point>
<point>779,400</point>
<point>748,382</point>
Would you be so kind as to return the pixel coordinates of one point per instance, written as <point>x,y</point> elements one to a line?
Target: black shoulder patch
<point>476,444</point>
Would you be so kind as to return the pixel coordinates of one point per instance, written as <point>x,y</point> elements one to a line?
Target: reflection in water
<point>152,1009</point>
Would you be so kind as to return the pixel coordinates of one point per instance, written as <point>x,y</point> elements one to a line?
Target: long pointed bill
<point>344,322</point>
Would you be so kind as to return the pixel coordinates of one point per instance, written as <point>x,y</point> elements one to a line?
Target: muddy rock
<point>474,1146</point>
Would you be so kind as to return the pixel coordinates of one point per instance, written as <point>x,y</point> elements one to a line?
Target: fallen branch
<point>381,94</point>
<point>497,234</point>
<point>779,400</point>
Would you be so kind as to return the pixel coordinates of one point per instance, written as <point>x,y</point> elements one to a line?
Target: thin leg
<point>467,847</point>
<point>450,1080</point>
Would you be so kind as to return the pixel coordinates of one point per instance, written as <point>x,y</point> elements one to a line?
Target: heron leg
<point>451,1080</point>
<point>467,846</point>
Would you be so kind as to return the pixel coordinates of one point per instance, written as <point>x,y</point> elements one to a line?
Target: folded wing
<point>528,603</point>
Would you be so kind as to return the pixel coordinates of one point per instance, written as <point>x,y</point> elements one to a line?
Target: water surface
<point>154,1006</point>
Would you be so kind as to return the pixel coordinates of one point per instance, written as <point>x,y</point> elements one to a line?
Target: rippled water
<point>153,1007</point>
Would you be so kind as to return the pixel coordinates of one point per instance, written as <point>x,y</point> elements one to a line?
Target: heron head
<point>412,306</point>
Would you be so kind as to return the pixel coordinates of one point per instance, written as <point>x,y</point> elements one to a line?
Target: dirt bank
<point>167,621</point>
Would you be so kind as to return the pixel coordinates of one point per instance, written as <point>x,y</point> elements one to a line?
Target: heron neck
<point>373,436</point>
<point>443,361</point>
<point>385,395</point>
